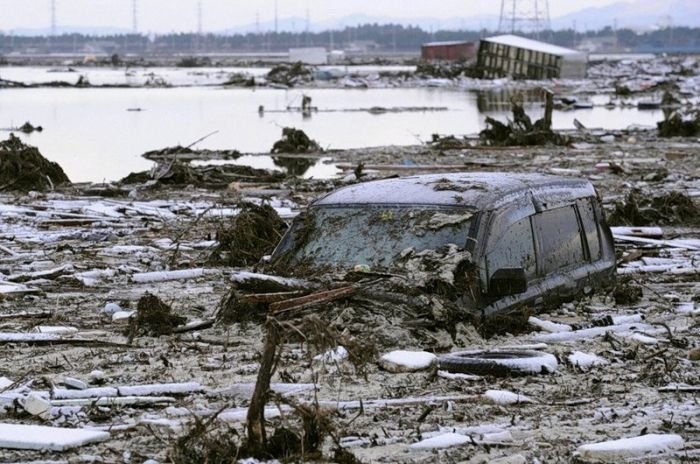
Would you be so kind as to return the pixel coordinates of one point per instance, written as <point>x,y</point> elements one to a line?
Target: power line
<point>524,16</point>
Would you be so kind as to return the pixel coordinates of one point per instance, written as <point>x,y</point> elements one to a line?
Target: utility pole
<point>276,30</point>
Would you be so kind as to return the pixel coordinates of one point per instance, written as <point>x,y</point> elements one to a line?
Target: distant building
<point>310,55</point>
<point>521,58</point>
<point>448,51</point>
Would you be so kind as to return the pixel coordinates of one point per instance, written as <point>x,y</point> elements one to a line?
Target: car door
<point>562,253</point>
<point>512,248</point>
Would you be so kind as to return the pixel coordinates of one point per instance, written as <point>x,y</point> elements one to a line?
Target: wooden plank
<point>295,304</point>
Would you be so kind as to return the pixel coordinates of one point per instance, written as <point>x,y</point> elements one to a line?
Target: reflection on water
<point>93,136</point>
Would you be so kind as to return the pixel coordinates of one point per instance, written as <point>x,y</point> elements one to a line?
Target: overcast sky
<point>181,15</point>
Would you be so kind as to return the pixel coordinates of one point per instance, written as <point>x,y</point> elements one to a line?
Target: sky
<point>159,16</point>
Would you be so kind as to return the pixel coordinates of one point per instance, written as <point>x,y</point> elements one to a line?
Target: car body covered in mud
<point>525,239</point>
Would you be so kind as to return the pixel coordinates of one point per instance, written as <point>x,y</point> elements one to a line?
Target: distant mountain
<point>636,14</point>
<point>297,24</point>
<point>643,14</point>
<point>95,31</point>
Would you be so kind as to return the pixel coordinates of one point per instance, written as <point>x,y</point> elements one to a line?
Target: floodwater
<point>96,134</point>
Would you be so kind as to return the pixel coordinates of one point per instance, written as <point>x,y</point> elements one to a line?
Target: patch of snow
<point>336,355</point>
<point>586,360</point>
<point>625,448</point>
<point>407,361</point>
<point>505,397</point>
<point>37,437</point>
<point>451,376</point>
<point>548,326</point>
<point>111,308</point>
<point>163,276</point>
<point>160,389</point>
<point>446,440</point>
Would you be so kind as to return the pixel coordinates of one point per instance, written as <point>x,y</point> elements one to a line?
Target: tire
<point>498,363</point>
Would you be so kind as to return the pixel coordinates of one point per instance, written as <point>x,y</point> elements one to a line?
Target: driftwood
<point>303,302</point>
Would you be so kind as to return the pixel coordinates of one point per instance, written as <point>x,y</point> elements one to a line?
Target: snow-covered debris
<point>337,354</point>
<point>585,360</point>
<point>625,448</point>
<point>99,392</point>
<point>161,389</point>
<point>122,316</point>
<point>445,440</point>
<point>164,276</point>
<point>641,338</point>
<point>407,361</point>
<point>451,376</point>
<point>548,326</point>
<point>505,397</point>
<point>75,384</point>
<point>37,405</point>
<point>37,437</point>
<point>593,332</point>
<point>111,308</point>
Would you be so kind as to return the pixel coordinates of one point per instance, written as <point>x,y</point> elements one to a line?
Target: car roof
<point>477,190</point>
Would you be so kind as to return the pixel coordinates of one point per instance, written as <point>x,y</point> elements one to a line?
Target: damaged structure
<point>522,58</point>
<point>448,51</point>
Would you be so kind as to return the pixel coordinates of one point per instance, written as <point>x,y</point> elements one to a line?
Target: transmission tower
<point>528,16</point>
<point>135,16</point>
<point>199,17</point>
<point>53,17</point>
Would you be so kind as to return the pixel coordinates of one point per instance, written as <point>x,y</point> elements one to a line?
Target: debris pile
<point>679,124</point>
<point>295,141</point>
<point>153,317</point>
<point>521,131</point>
<point>639,209</point>
<point>23,168</point>
<point>175,173</point>
<point>446,70</point>
<point>290,74</point>
<point>249,236</point>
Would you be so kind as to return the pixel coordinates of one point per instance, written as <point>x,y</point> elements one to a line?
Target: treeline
<point>388,37</point>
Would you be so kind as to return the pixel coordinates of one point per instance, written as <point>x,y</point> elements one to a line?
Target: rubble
<point>290,74</point>
<point>639,209</point>
<point>253,233</point>
<point>295,141</point>
<point>70,255</point>
<point>521,130</point>
<point>23,168</point>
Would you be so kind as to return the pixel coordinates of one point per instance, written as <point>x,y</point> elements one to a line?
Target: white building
<point>310,55</point>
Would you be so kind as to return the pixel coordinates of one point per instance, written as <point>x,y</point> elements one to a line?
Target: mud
<point>65,256</point>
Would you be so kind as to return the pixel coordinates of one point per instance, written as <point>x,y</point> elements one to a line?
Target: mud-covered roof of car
<point>477,190</point>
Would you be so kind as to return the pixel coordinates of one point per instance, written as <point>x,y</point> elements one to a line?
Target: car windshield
<point>373,235</point>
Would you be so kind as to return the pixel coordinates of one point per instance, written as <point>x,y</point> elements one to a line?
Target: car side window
<point>585,209</point>
<point>559,238</point>
<point>514,248</point>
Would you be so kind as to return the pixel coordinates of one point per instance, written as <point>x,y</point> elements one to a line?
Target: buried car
<point>527,239</point>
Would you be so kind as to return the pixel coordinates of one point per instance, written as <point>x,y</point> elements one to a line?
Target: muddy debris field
<point>140,315</point>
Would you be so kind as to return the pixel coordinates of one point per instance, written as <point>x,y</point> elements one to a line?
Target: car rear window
<point>376,236</point>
